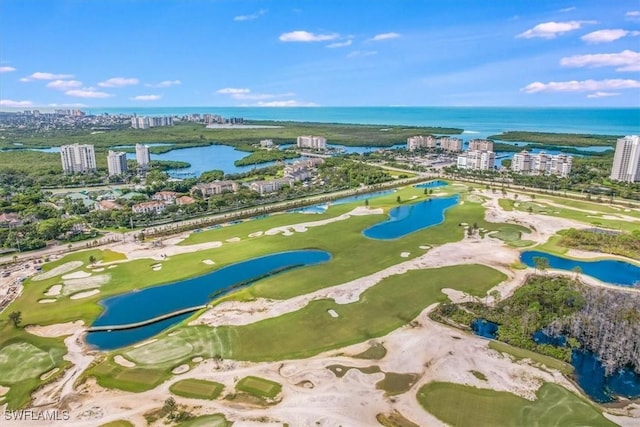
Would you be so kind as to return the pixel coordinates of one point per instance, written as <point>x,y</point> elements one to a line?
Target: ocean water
<point>477,122</point>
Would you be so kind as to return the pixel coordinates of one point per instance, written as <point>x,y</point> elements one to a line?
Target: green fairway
<point>215,420</point>
<point>259,387</point>
<point>521,353</point>
<point>198,389</point>
<point>21,361</point>
<point>459,405</point>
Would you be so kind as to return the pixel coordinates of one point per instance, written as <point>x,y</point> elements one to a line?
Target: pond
<point>432,184</point>
<point>151,302</point>
<point>322,208</point>
<point>616,272</point>
<point>485,328</point>
<point>406,219</point>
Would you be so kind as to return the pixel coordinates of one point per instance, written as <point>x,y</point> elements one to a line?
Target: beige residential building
<point>116,163</point>
<point>626,160</point>
<point>477,160</point>
<point>314,142</point>
<point>271,186</point>
<point>78,158</point>
<point>481,145</point>
<point>217,187</point>
<point>165,196</point>
<point>142,156</point>
<point>149,207</point>
<point>418,142</point>
<point>540,163</point>
<point>451,144</point>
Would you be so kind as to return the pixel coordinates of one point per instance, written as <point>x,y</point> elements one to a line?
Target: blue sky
<point>330,53</point>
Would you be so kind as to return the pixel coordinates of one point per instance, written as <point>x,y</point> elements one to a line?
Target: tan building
<point>165,196</point>
<point>217,187</point>
<point>418,142</point>
<point>271,186</point>
<point>481,145</point>
<point>149,207</point>
<point>453,145</point>
<point>314,142</point>
<point>185,200</point>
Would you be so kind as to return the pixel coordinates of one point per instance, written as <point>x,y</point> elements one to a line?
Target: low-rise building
<point>148,207</point>
<point>107,205</point>
<point>10,220</point>
<point>185,200</point>
<point>165,196</point>
<point>271,186</point>
<point>216,187</point>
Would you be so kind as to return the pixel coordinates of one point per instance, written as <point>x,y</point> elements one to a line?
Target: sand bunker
<point>4,390</point>
<point>208,261</point>
<point>61,269</point>
<point>120,360</point>
<point>332,313</point>
<point>233,239</point>
<point>56,330</point>
<point>288,230</point>
<point>84,294</point>
<point>456,296</point>
<point>97,270</point>
<point>180,369</point>
<point>112,266</point>
<point>146,342</point>
<point>197,359</point>
<point>256,234</point>
<point>76,275</point>
<point>49,374</point>
<point>72,286</point>
<point>53,291</point>
<point>157,267</point>
<point>424,247</point>
<point>46,301</point>
<point>405,254</point>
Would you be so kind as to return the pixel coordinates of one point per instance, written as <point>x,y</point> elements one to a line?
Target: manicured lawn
<point>259,387</point>
<point>198,389</point>
<point>553,246</point>
<point>118,423</point>
<point>395,383</point>
<point>459,405</point>
<point>521,353</point>
<point>215,420</point>
<point>506,204</point>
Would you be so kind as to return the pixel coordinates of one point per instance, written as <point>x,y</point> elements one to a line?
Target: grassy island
<point>565,139</point>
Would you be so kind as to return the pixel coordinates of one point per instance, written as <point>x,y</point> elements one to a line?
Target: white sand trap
<point>157,267</point>
<point>208,261</point>
<point>197,359</point>
<point>405,254</point>
<point>120,360</point>
<point>46,300</point>
<point>112,266</point>
<point>413,197</point>
<point>97,270</point>
<point>4,390</point>
<point>48,374</point>
<point>72,286</point>
<point>233,239</point>
<point>145,343</point>
<point>256,234</point>
<point>180,369</point>
<point>424,247</point>
<point>85,294</point>
<point>456,296</point>
<point>55,330</point>
<point>332,313</point>
<point>61,269</point>
<point>53,291</point>
<point>76,275</point>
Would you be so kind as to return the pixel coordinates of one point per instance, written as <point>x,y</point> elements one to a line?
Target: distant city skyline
<point>92,54</point>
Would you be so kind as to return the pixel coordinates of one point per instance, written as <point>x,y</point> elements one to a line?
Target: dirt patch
<point>120,360</point>
<point>61,269</point>
<point>180,369</point>
<point>85,294</point>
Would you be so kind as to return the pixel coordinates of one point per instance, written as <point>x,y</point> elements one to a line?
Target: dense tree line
<point>625,244</point>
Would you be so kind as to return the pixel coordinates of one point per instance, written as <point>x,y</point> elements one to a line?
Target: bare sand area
<point>208,261</point>
<point>46,300</point>
<point>120,360</point>
<point>76,275</point>
<point>85,294</point>
<point>61,269</point>
<point>53,291</point>
<point>56,330</point>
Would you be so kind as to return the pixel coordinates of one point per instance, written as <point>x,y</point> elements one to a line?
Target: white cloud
<point>384,36</point>
<point>250,17</point>
<point>602,94</point>
<point>287,103</point>
<point>627,60</point>
<point>568,9</point>
<point>119,82</point>
<point>233,91</point>
<point>75,104</point>
<point>87,92</point>
<point>165,83</point>
<point>305,36</point>
<point>340,44</point>
<point>64,84</point>
<point>361,53</point>
<point>549,30</point>
<point>6,69</point>
<point>246,94</point>
<point>605,36</point>
<point>45,76</point>
<point>633,15</point>
<point>146,97</point>
<point>14,104</point>
<point>582,86</point>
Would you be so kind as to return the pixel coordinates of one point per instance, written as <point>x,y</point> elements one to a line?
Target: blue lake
<point>322,208</point>
<point>406,219</point>
<point>151,302</point>
<point>432,184</point>
<point>611,271</point>
<point>485,328</point>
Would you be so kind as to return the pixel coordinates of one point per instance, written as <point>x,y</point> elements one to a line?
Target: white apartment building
<point>476,159</point>
<point>314,142</point>
<point>116,163</point>
<point>78,158</point>
<point>450,144</point>
<point>139,122</point>
<point>149,207</point>
<point>481,145</point>
<point>266,143</point>
<point>525,162</point>
<point>271,186</point>
<point>626,160</point>
<point>217,187</point>
<point>142,156</point>
<point>417,142</point>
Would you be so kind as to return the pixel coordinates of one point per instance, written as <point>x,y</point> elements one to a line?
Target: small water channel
<point>151,302</point>
<point>612,271</point>
<point>406,219</point>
